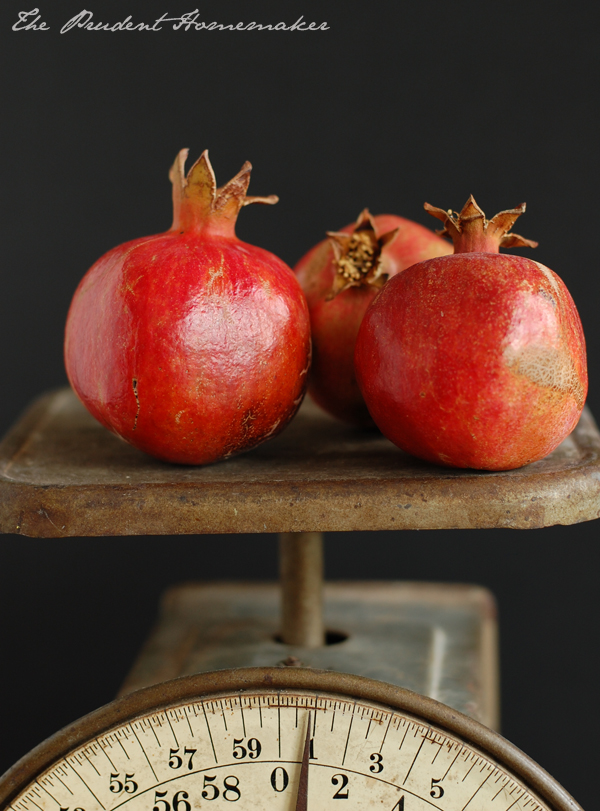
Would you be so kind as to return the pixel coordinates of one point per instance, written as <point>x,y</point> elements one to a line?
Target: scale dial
<point>237,740</point>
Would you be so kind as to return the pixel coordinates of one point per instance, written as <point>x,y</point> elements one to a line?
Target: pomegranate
<point>477,359</point>
<point>341,277</point>
<point>190,344</point>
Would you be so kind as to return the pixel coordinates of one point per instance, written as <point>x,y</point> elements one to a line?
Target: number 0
<point>279,779</point>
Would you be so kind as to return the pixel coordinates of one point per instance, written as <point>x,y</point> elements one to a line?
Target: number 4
<point>399,805</point>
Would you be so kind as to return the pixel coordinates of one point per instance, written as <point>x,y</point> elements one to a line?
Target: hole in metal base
<point>331,638</point>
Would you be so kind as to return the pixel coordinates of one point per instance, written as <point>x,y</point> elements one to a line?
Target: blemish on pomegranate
<point>137,400</point>
<point>247,421</point>
<point>547,367</point>
<point>273,429</point>
<point>548,296</point>
<point>549,275</point>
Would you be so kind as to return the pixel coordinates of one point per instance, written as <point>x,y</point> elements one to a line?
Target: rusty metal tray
<point>62,474</point>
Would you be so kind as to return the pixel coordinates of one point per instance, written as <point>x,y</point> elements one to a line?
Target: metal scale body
<point>270,701</point>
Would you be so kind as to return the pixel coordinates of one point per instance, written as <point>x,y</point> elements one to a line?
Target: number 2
<point>340,794</point>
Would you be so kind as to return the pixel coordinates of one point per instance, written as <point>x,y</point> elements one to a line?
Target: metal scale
<point>294,696</point>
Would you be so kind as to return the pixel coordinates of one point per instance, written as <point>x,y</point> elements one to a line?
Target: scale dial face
<point>237,740</point>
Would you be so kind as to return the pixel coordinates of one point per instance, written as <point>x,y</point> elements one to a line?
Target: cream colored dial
<point>242,750</point>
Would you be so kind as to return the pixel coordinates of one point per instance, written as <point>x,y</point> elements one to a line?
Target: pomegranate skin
<point>335,321</point>
<point>191,345</point>
<point>475,360</point>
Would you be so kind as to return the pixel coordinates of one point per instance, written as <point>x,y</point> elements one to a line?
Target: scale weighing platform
<point>377,694</point>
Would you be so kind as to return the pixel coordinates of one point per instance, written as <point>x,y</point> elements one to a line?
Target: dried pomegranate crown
<point>470,231</point>
<point>198,203</point>
<point>358,255</point>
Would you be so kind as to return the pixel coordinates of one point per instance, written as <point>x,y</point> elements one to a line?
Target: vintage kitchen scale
<point>236,701</point>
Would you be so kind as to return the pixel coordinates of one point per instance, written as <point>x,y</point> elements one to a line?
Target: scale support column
<point>301,574</point>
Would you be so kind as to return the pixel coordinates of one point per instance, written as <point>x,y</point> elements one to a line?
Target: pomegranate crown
<point>197,202</point>
<point>358,255</point>
<point>470,231</point>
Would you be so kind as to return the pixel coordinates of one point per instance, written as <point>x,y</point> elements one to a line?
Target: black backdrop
<point>396,103</point>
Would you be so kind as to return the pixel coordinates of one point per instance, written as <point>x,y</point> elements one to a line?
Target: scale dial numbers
<point>244,751</point>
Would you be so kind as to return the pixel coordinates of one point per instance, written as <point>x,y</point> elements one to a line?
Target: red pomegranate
<point>341,277</point>
<point>477,359</point>
<point>190,344</point>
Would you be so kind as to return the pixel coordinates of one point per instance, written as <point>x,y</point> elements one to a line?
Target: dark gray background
<point>396,104</point>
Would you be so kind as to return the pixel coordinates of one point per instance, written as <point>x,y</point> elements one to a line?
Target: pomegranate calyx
<point>471,231</point>
<point>198,202</point>
<point>358,256</point>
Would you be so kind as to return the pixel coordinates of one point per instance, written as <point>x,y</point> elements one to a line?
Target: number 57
<point>176,761</point>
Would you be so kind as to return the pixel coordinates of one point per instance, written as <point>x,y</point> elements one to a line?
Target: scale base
<point>437,640</point>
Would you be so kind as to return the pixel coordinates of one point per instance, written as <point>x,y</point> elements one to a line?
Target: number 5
<point>157,800</point>
<point>436,791</point>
